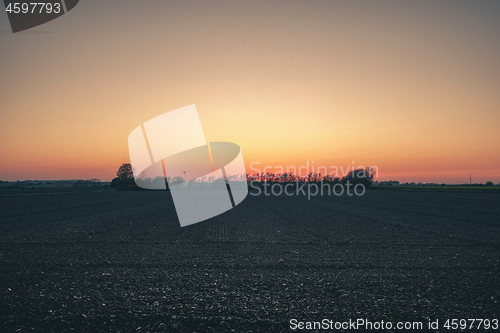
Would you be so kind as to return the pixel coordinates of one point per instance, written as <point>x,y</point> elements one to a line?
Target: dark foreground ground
<point>119,261</point>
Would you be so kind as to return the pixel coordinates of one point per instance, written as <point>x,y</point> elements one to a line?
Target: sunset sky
<point>412,87</point>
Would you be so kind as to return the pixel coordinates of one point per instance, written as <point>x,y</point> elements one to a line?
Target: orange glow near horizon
<point>410,88</point>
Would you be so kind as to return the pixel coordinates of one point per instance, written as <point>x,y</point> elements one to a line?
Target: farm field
<point>439,188</point>
<point>108,261</point>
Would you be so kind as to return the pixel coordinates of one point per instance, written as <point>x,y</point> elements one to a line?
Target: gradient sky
<point>412,87</point>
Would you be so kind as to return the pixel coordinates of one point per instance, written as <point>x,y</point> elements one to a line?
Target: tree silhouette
<point>363,176</point>
<point>125,171</point>
<point>124,178</point>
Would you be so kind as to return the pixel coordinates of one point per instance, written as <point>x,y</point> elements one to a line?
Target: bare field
<point>119,261</point>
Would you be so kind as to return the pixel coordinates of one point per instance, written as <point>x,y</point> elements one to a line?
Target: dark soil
<point>108,261</point>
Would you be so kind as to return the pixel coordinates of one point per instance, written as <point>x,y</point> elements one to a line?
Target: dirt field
<point>118,261</point>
